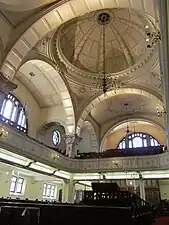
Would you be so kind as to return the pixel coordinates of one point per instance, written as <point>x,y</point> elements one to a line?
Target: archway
<point>134,125</point>
<point>55,81</point>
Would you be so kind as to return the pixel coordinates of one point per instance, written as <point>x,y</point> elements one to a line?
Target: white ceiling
<point>39,85</point>
<point>114,107</point>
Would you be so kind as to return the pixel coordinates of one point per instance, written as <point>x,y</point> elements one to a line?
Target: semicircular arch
<point>134,119</point>
<point>61,88</point>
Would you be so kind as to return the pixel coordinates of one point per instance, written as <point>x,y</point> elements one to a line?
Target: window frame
<point>16,184</point>
<point>147,140</point>
<point>52,191</point>
<point>15,111</point>
<point>59,137</point>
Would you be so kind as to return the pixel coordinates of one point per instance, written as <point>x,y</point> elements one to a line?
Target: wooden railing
<point>15,212</point>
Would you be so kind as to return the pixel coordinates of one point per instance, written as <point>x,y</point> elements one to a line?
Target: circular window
<point>56,137</point>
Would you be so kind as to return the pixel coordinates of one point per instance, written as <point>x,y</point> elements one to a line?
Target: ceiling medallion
<point>104,18</point>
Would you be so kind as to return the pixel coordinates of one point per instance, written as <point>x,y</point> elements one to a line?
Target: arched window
<point>137,140</point>
<point>12,112</point>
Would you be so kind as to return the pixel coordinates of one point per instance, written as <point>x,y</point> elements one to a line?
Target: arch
<point>94,141</point>
<point>51,123</point>
<point>63,12</point>
<point>110,94</point>
<point>60,86</point>
<point>128,120</point>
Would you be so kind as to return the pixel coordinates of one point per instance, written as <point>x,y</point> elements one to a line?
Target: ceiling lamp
<point>152,37</point>
<point>104,81</point>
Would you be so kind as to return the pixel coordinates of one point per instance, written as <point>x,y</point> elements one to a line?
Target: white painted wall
<point>53,114</point>
<point>33,188</point>
<point>33,109</point>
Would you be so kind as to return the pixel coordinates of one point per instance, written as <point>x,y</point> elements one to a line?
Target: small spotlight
<point>146,26</point>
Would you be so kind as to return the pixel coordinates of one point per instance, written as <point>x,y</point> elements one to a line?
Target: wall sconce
<point>3,132</point>
<point>160,113</point>
<point>115,163</point>
<point>55,157</point>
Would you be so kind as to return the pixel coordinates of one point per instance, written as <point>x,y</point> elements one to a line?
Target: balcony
<point>21,144</point>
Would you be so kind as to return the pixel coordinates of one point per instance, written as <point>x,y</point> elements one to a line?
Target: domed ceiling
<point>79,43</point>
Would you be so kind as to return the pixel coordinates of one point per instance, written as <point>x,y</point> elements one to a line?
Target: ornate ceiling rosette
<point>78,45</point>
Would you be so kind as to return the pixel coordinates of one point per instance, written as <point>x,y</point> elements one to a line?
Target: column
<point>65,192</point>
<point>71,190</point>
<point>72,144</point>
<point>142,190</point>
<point>164,59</point>
<point>68,191</point>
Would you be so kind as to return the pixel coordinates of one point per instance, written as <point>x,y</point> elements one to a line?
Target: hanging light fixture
<point>152,36</point>
<point>105,81</point>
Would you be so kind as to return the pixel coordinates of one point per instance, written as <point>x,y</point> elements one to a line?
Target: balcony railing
<point>123,152</point>
<point>23,145</point>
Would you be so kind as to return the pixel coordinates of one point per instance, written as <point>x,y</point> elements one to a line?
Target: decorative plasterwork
<point>115,107</point>
<point>78,44</point>
<point>56,17</point>
<point>110,94</point>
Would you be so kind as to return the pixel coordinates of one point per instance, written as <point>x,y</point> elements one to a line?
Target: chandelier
<point>105,81</point>
<point>152,37</point>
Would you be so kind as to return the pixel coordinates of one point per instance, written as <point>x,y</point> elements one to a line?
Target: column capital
<point>72,144</point>
<point>5,84</point>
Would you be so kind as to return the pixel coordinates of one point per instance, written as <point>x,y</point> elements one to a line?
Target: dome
<point>79,43</point>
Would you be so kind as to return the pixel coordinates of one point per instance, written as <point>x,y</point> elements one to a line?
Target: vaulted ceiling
<point>75,50</point>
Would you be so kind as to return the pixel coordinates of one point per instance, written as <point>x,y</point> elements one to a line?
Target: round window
<point>56,137</point>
